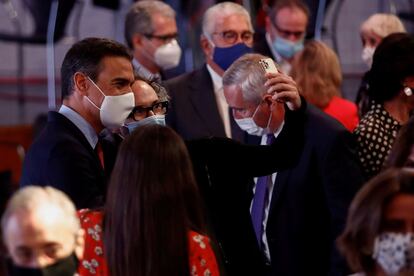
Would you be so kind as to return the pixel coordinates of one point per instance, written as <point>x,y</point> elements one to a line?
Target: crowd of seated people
<point>230,169</point>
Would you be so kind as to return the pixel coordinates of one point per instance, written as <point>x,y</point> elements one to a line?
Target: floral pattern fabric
<point>201,256</point>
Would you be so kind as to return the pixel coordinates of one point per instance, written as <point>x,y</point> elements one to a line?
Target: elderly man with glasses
<point>198,106</point>
<point>286,25</point>
<point>151,34</point>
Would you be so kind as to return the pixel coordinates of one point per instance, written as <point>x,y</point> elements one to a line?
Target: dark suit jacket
<point>315,184</point>
<point>62,157</point>
<point>310,200</point>
<point>224,171</point>
<point>260,45</point>
<point>194,113</point>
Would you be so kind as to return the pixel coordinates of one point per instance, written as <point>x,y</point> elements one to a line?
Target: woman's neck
<point>398,109</point>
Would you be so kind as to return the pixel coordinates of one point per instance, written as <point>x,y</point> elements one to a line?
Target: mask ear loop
<point>97,87</point>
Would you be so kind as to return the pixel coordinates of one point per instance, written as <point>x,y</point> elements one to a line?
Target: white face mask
<point>168,55</point>
<point>394,252</point>
<point>248,125</point>
<point>367,55</point>
<point>114,109</point>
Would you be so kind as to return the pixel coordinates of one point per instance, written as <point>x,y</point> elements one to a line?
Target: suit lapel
<point>61,120</point>
<point>204,102</point>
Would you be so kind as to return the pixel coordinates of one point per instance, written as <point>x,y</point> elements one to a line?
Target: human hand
<point>284,89</point>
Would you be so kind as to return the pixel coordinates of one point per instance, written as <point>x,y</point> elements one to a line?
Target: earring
<point>408,91</point>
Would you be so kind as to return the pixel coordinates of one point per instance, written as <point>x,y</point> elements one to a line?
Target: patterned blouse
<point>202,258</point>
<point>375,135</point>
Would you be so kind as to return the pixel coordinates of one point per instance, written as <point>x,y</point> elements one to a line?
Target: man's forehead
<point>292,16</point>
<point>232,22</point>
<point>116,67</point>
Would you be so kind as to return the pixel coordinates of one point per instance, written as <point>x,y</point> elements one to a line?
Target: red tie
<point>100,153</point>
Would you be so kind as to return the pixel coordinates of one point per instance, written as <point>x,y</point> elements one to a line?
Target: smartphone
<point>268,65</point>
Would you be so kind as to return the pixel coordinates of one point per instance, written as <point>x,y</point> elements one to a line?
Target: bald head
<point>40,227</point>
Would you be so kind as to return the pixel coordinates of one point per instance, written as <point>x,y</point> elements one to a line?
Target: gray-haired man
<point>151,34</point>
<point>303,208</point>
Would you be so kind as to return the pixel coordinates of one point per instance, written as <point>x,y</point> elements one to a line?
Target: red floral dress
<point>202,258</point>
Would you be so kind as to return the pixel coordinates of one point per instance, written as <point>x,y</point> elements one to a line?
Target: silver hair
<point>213,15</point>
<point>29,199</point>
<point>383,24</point>
<point>138,19</point>
<point>248,74</point>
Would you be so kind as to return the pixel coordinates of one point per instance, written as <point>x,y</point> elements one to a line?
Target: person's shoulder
<point>344,104</point>
<point>88,217</point>
<point>198,240</point>
<point>317,120</point>
<point>185,78</point>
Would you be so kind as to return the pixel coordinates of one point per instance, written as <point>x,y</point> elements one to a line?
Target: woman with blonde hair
<point>318,74</point>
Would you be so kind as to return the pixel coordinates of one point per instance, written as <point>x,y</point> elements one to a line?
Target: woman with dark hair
<point>379,235</point>
<point>152,219</point>
<point>390,82</point>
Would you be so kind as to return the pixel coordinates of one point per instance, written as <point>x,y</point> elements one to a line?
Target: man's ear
<point>79,244</point>
<point>137,41</point>
<point>267,98</point>
<point>81,83</point>
<point>267,24</point>
<point>206,46</point>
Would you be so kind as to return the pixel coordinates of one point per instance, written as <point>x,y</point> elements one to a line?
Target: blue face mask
<point>151,120</point>
<point>287,48</point>
<point>225,56</point>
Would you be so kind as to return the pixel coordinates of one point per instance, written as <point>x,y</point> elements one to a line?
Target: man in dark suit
<point>198,107</point>
<point>297,212</point>
<point>96,89</point>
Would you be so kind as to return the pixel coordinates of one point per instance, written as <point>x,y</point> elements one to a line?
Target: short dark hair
<point>280,4</point>
<point>85,56</point>
<point>152,203</point>
<point>393,62</point>
<point>365,216</point>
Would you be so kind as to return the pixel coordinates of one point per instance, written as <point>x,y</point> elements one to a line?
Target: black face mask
<point>63,267</point>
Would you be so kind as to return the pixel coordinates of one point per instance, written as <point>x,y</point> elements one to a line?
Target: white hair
<point>383,24</point>
<point>30,198</point>
<point>213,15</point>
<point>248,74</point>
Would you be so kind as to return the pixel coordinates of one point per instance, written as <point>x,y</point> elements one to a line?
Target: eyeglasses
<point>286,33</point>
<point>140,112</point>
<point>230,37</point>
<point>164,38</point>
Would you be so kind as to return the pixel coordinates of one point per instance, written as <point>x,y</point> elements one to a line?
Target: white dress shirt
<point>222,105</point>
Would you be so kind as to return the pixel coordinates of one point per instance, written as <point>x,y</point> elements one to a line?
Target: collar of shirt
<point>222,105</point>
<point>144,72</point>
<point>379,111</point>
<point>283,63</point>
<point>216,78</point>
<point>86,129</point>
<point>276,134</point>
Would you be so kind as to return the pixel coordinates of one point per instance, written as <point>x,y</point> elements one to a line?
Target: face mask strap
<point>96,86</point>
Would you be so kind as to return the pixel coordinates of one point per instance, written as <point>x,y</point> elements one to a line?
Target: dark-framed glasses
<point>164,38</point>
<point>230,37</point>
<point>141,112</point>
